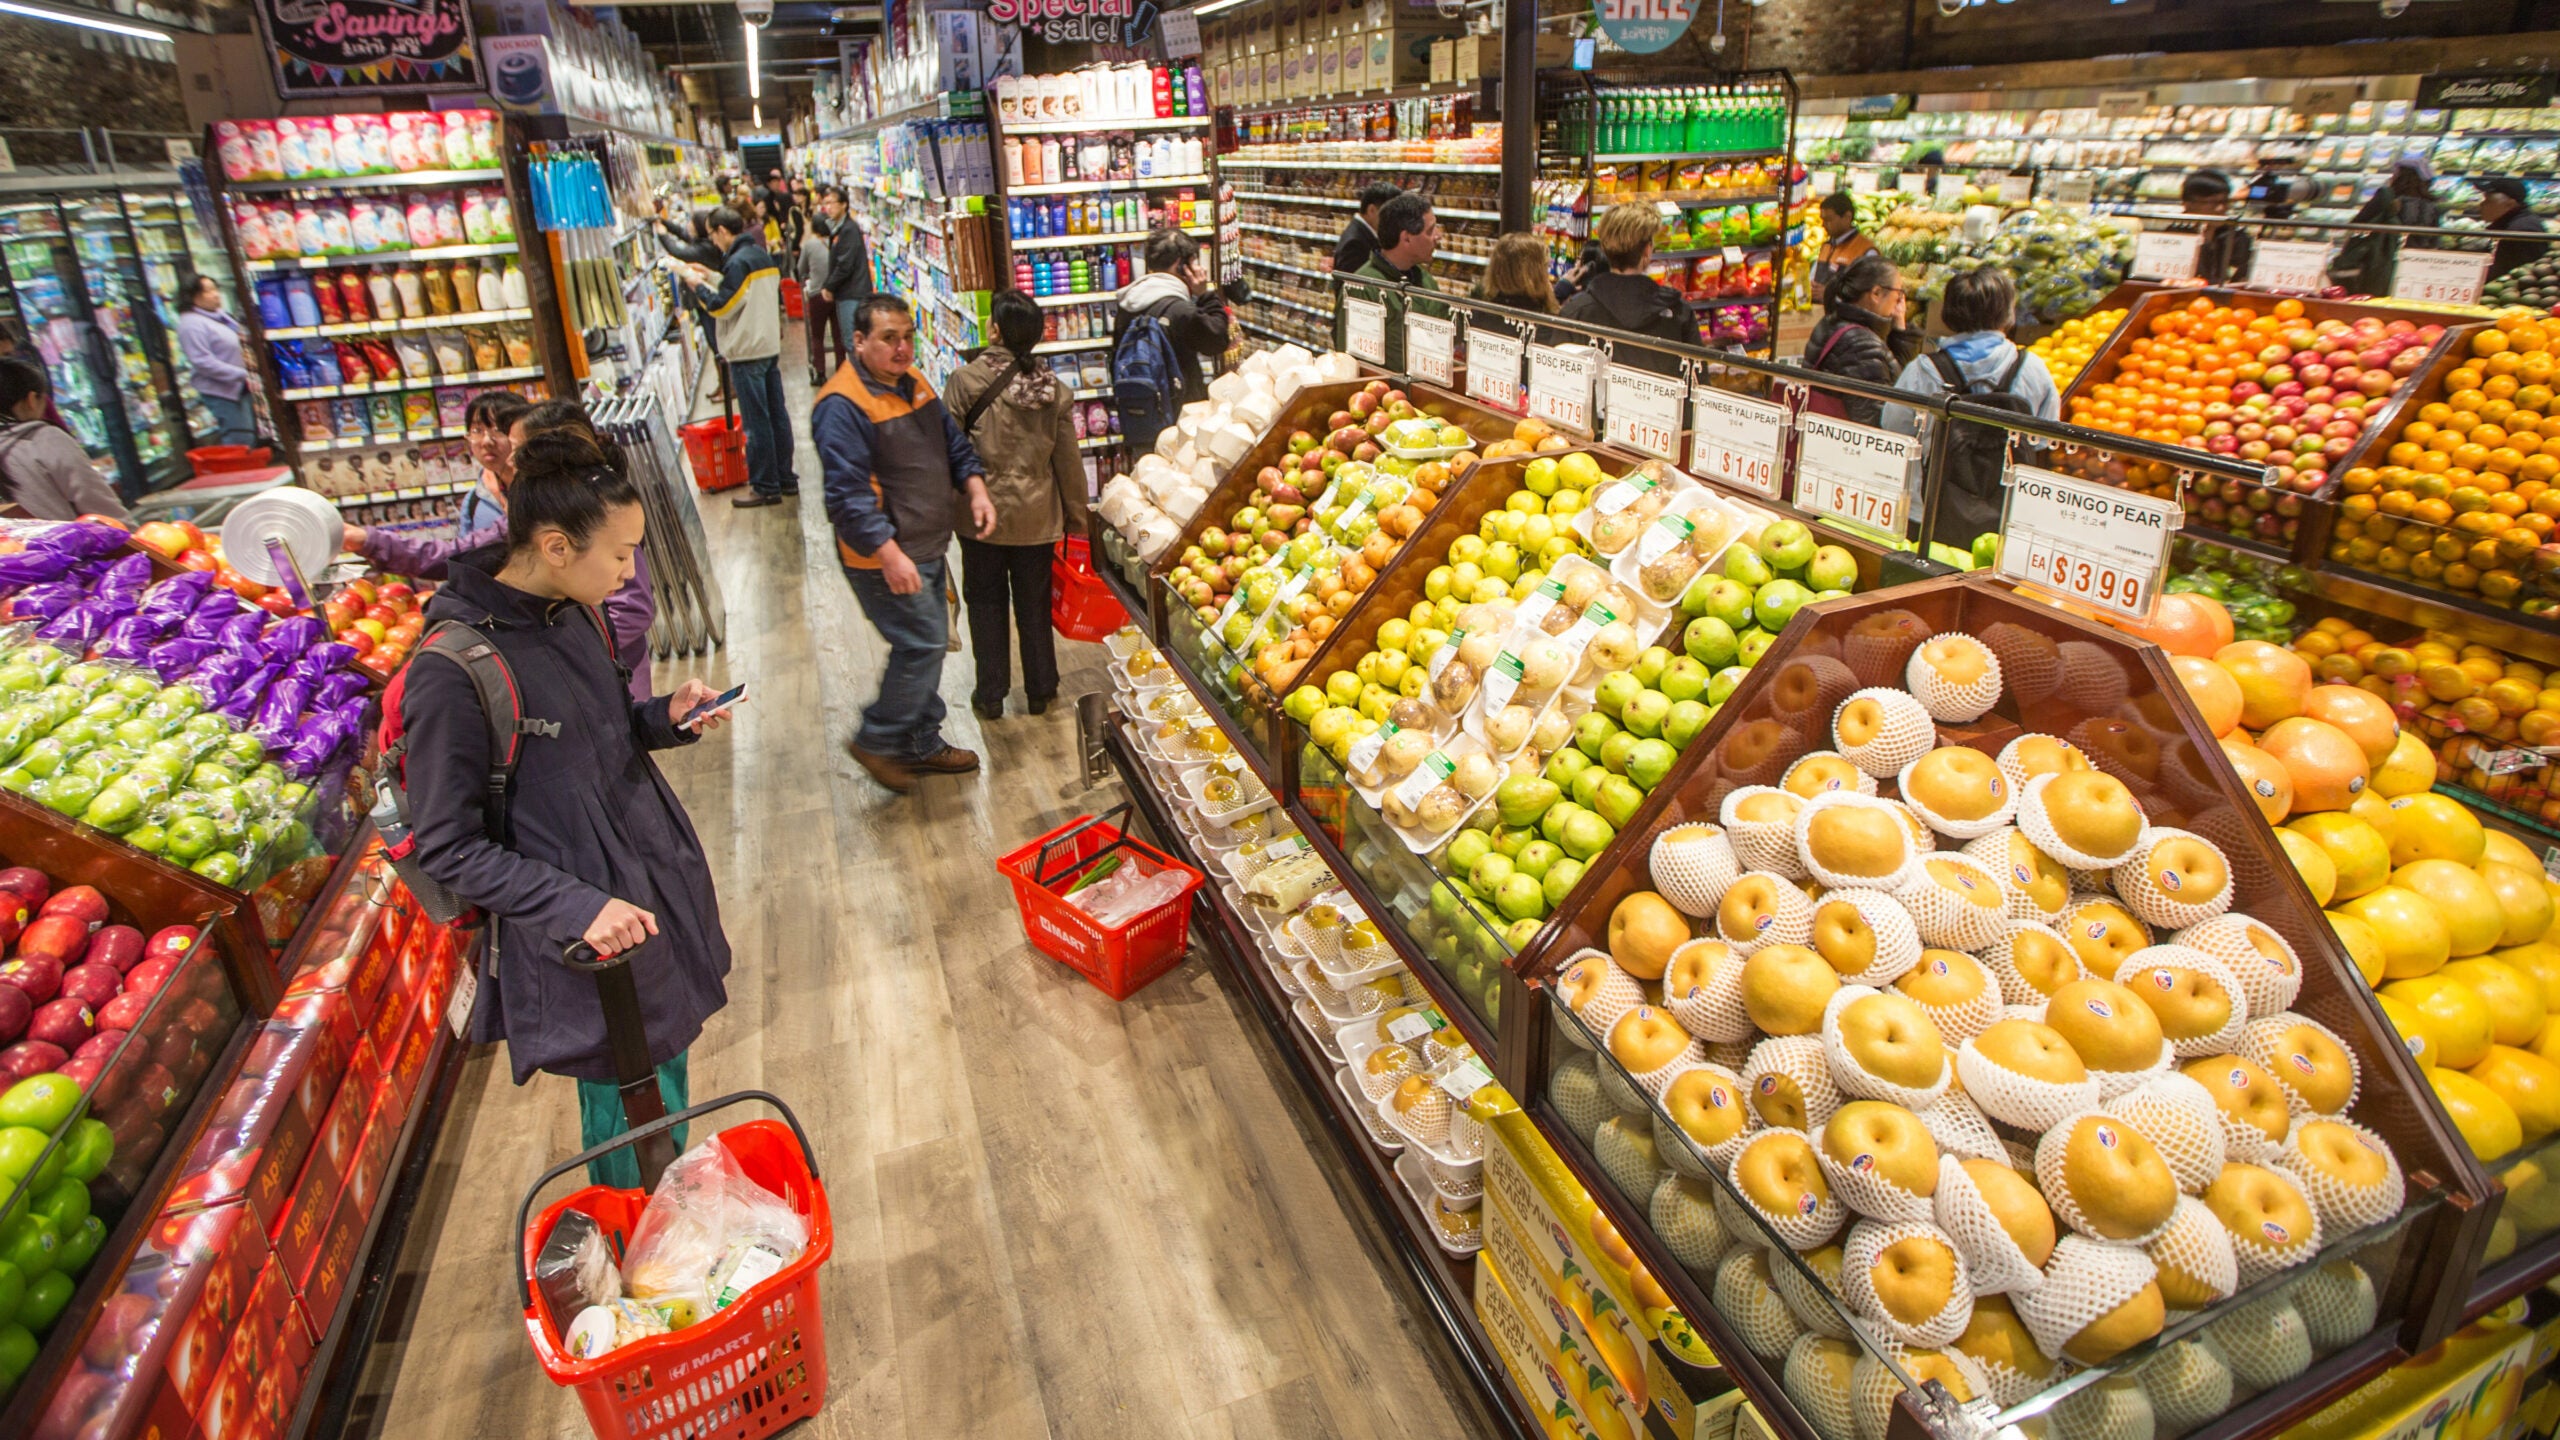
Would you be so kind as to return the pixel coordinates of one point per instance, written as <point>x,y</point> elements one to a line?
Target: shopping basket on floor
<point>718,450</point>
<point>1081,606</point>
<point>1120,960</point>
<point>748,1370</point>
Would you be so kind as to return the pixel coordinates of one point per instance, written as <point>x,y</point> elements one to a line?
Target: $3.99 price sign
<point>2087,541</point>
<point>2097,579</point>
<point>1644,411</point>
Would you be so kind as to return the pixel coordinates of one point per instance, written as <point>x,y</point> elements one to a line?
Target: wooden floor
<point>1054,1215</point>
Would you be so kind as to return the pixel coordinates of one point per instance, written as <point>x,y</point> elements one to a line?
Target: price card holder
<point>1736,439</point>
<point>2439,277</point>
<point>1560,381</point>
<point>1950,187</point>
<point>1493,368</point>
<point>1644,411</point>
<point>2088,542</point>
<point>2160,255</point>
<point>1911,182</point>
<point>1862,182</point>
<point>2074,190</point>
<point>1825,181</point>
<point>2017,189</point>
<point>2301,266</point>
<point>1429,343</point>
<point>1364,328</point>
<point>1855,473</point>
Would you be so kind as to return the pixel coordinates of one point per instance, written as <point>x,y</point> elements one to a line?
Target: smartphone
<point>714,705</point>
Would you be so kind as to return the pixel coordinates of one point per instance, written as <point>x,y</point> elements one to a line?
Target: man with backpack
<point>1981,364</point>
<point>1173,325</point>
<point>1408,236</point>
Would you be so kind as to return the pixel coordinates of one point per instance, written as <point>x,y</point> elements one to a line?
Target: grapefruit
<point>2361,714</point>
<point>2274,682</point>
<point>2521,899</point>
<point>2268,782</point>
<point>2433,827</point>
<point>2215,693</point>
<point>2312,863</point>
<point>2528,1083</point>
<point>2410,768</point>
<point>2540,961</point>
<point>2187,624</point>
<point>2462,900</point>
<point>2547,1044</point>
<point>2327,766</point>
<point>2488,1124</point>
<point>2456,1020</point>
<point>2360,853</point>
<point>2414,939</point>
<point>2363,946</point>
<point>2411,1028</point>
<point>2514,998</point>
<point>2506,849</point>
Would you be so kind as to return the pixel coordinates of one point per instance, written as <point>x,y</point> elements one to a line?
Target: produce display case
<point>2120,702</point>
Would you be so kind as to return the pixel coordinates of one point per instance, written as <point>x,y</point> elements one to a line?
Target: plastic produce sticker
<point>2297,265</point>
<point>1735,438</point>
<point>2439,277</point>
<point>2086,541</point>
<point>1644,411</point>
<point>1560,386</point>
<point>1854,472</point>
<point>1364,325</point>
<point>1493,368</point>
<point>2160,255</point>
<point>1429,343</point>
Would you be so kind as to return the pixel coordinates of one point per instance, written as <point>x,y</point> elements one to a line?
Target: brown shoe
<point>949,760</point>
<point>889,771</point>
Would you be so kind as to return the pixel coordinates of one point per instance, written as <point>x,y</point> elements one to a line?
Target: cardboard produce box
<point>1537,1373</point>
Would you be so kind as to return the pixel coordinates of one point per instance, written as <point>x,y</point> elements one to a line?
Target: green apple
<point>88,1149</point>
<point>1720,686</point>
<point>1652,760</point>
<point>1787,545</point>
<point>1685,680</point>
<point>1833,568</point>
<point>31,1243</point>
<point>1566,764</point>
<point>1755,643</point>
<point>1709,641</point>
<point>1562,876</point>
<point>1613,692</point>
<point>20,1147</point>
<point>1643,715</point>
<point>1744,567</point>
<point>1687,719</point>
<point>13,1292</point>
<point>47,1294</point>
<point>1521,898</point>
<point>1777,603</point>
<point>80,1246</point>
<point>17,1352</point>
<point>1649,663</point>
<point>1535,859</point>
<point>1466,848</point>
<point>1613,756</point>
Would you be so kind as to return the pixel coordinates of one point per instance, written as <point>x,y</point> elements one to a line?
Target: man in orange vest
<point>898,470</point>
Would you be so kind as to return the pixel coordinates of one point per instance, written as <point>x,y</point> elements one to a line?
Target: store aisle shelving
<point>1055,1216</point>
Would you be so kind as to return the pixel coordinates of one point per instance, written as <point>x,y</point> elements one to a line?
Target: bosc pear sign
<point>1644,26</point>
<point>330,47</point>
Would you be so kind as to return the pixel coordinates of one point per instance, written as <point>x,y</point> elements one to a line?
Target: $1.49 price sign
<point>1493,368</point>
<point>1644,411</point>
<point>1429,342</point>
<point>1854,472</point>
<point>1734,438</point>
<point>1560,386</point>
<point>2086,541</point>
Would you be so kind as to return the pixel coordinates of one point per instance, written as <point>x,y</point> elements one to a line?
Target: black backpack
<point>1978,454</point>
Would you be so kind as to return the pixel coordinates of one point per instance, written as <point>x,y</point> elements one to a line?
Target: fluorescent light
<point>83,18</point>
<point>1214,6</point>
<point>755,66</point>
<point>759,122</point>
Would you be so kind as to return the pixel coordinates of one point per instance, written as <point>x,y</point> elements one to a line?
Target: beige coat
<point>1027,438</point>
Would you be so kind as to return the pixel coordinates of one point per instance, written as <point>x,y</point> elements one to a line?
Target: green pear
<point>1721,685</point>
<point>1710,642</point>
<point>1644,714</point>
<point>1467,848</point>
<point>1535,859</point>
<point>1523,798</point>
<point>1551,824</point>
<point>1587,834</point>
<point>1521,898</point>
<point>1651,761</point>
<point>1787,545</point>
<point>1593,731</point>
<point>1619,799</point>
<point>1755,643</point>
<point>1562,876</point>
<point>1490,870</point>
<point>1517,937</point>
<point>1685,680</point>
<point>1586,786</point>
<point>1565,764</point>
<point>1777,602</point>
<point>1510,840</point>
<point>1833,568</point>
<point>1614,690</point>
<point>1613,756</point>
<point>1687,719</point>
<point>1649,663</point>
<point>1744,567</point>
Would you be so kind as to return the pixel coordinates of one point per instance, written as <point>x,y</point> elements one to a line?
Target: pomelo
<point>2528,1083</point>
<point>2360,852</point>
<point>2362,716</point>
<point>2274,682</point>
<point>2414,939</point>
<point>2463,901</point>
<point>2187,624</point>
<point>2363,946</point>
<point>2215,693</point>
<point>2429,826</point>
<point>2312,863</point>
<point>2488,1123</point>
<point>2410,768</point>
<point>2327,766</point>
<point>2411,1028</point>
<point>2521,898</point>
<point>2455,1018</point>
<point>2266,780</point>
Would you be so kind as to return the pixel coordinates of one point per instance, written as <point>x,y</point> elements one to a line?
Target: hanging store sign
<point>1644,26</point>
<point>2514,89</point>
<point>1493,368</point>
<point>2097,544</point>
<point>1879,107</point>
<point>1560,386</point>
<point>1063,22</point>
<point>1854,472</point>
<point>334,47</point>
<point>2439,277</point>
<point>1644,411</point>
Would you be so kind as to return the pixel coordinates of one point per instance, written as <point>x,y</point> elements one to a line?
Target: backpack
<point>1146,381</point>
<point>1978,454</point>
<point>1825,402</point>
<point>502,706</point>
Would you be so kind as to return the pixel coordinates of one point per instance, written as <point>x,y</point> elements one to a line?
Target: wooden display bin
<point>2119,701</point>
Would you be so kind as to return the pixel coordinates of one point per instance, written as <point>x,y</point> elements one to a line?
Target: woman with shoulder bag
<point>1021,419</point>
<point>590,844</point>
<point>1861,336</point>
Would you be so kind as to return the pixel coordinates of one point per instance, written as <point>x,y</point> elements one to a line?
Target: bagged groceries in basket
<point>1121,888</point>
<point>708,1236</point>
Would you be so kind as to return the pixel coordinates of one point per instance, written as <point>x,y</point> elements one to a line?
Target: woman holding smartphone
<point>592,844</point>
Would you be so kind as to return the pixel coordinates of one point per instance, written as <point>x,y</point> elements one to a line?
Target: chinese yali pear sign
<point>1644,26</point>
<point>327,47</point>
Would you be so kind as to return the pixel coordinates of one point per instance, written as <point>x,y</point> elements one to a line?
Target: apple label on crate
<point>1644,411</point>
<point>2301,266</point>
<point>1735,438</point>
<point>2439,277</point>
<point>1364,327</point>
<point>1493,368</point>
<point>1560,386</point>
<point>1854,472</point>
<point>2086,541</point>
<point>1430,342</point>
<point>2165,255</point>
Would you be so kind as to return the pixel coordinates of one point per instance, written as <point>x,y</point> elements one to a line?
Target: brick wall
<point>1824,37</point>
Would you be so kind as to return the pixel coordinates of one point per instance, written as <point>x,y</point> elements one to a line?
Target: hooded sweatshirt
<point>1198,325</point>
<point>1026,437</point>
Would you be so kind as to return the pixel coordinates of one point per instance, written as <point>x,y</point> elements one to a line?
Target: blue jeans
<point>844,325</point>
<point>906,721</point>
<point>234,423</point>
<point>762,414</point>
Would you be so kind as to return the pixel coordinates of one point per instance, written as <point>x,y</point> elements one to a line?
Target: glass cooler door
<point>170,249</point>
<point>112,270</point>
<point>44,282</point>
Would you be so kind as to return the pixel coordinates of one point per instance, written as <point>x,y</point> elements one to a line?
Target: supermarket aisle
<point>1055,1216</point>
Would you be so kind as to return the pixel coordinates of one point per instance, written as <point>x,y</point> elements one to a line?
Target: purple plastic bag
<point>317,741</point>
<point>214,611</point>
<point>175,597</point>
<point>291,636</point>
<point>243,701</point>
<point>33,567</point>
<point>74,629</point>
<point>129,639</point>
<point>81,541</point>
<point>43,602</point>
<point>334,689</point>
<point>220,674</point>
<point>173,658</point>
<point>273,720</point>
<point>321,659</point>
<point>125,581</point>
<point>241,633</point>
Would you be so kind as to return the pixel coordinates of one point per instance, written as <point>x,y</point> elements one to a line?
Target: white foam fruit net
<point>1865,784</point>
<point>1903,733</point>
<point>2337,1304</point>
<point>2053,1175</point>
<point>1782,1062</point>
<point>1813,1217</point>
<point>2342,1203</point>
<point>1897,940</point>
<point>1760,844</point>
<point>1866,1250</point>
<point>2188,1385</point>
<point>2195,1251</point>
<point>2151,973</point>
<point>1786,920</point>
<point>1873,1386</point>
<point>1818,1378</point>
<point>2000,957</point>
<point>1750,1304</point>
<point>2288,1046</point>
<point>1574,1088</point>
<point>1685,1220</point>
<point>1887,879</point>
<point>2015,877</point>
<point>2041,832</point>
<point>2085,1279</point>
<point>1992,1258</point>
<point>1691,865</point>
<point>1652,1080</point>
<point>1608,992</point>
<point>1714,1089</point>
<point>1624,1147</point>
<point>1713,1011</point>
<point>2268,985</point>
<point>1862,1187</point>
<point>2179,1118</point>
<point>2112,1409</point>
<point>2265,1342</point>
<point>1852,1074</point>
<point>1814,1302</point>
<point>1962,1019</point>
<point>1960,1128</point>
<point>2268,1247</point>
<point>1948,916</point>
<point>2164,906</point>
<point>1946,699</point>
<point>2027,1101</point>
<point>2005,806</point>
<point>2112,1083</point>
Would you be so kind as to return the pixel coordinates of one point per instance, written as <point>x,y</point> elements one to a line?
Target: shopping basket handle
<point>1040,863</point>
<point>524,1212</point>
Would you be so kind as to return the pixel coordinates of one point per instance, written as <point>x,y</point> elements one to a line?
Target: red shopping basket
<point>718,450</point>
<point>223,459</point>
<point>1081,607</point>
<point>1122,960</point>
<point>750,1369</point>
<point>792,305</point>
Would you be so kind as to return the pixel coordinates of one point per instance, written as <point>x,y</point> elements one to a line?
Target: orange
<point>2500,386</point>
<point>2465,377</point>
<point>2492,341</point>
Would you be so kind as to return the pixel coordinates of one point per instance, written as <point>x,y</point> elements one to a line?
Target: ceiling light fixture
<point>755,67</point>
<point>86,20</point>
<point>1214,6</point>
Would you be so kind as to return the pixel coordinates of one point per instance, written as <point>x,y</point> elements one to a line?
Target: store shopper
<point>42,469</point>
<point>2503,208</point>
<point>1360,233</point>
<point>1515,274</point>
<point>2223,257</point>
<point>13,342</point>
<point>1842,241</point>
<point>1861,336</point>
<point>746,298</point>
<point>597,848</point>
<point>1194,315</point>
<point>210,339</point>
<point>848,279</point>
<point>1020,420</point>
<point>1626,298</point>
<point>817,319</point>
<point>1408,236</point>
<point>897,472</point>
<point>2367,262</point>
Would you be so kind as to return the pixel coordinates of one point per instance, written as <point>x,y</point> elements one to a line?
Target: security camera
<point>1951,7</point>
<point>758,13</point>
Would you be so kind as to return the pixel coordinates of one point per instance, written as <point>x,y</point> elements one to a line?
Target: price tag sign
<point>2160,255</point>
<point>1364,328</point>
<point>1825,181</point>
<point>1734,438</point>
<point>1493,368</point>
<point>2439,277</point>
<point>179,149</point>
<point>1854,472</point>
<point>1950,187</point>
<point>1429,343</point>
<point>1644,411</point>
<point>1862,182</point>
<point>2017,189</point>
<point>2074,189</point>
<point>1911,182</point>
<point>2087,542</point>
<point>1560,386</point>
<point>1181,33</point>
<point>2298,265</point>
<point>466,993</point>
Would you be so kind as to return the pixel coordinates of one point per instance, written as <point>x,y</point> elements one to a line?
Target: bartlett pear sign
<point>330,47</point>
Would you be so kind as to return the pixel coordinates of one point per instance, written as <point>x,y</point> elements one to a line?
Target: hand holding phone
<point>709,712</point>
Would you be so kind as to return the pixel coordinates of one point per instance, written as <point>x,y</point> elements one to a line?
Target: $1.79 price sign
<point>1853,472</point>
<point>1560,386</point>
<point>2086,541</point>
<point>1644,411</point>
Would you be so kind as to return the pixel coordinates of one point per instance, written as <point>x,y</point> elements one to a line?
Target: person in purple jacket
<point>210,339</point>
<point>630,611</point>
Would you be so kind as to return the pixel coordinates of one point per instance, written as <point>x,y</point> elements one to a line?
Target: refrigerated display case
<point>173,238</point>
<point>136,347</point>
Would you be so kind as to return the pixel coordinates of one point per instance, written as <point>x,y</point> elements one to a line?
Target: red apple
<point>169,940</point>
<point>84,1072</point>
<point>116,945</point>
<point>150,976</point>
<point>30,884</point>
<point>92,985</point>
<point>60,936</point>
<point>31,1057</point>
<point>38,975</point>
<point>66,1022</point>
<point>124,1011</point>
<point>80,902</point>
<point>16,1009</point>
<point>111,1335</point>
<point>102,1045</point>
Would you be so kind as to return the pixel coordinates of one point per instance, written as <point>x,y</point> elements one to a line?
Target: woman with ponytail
<point>592,844</point>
